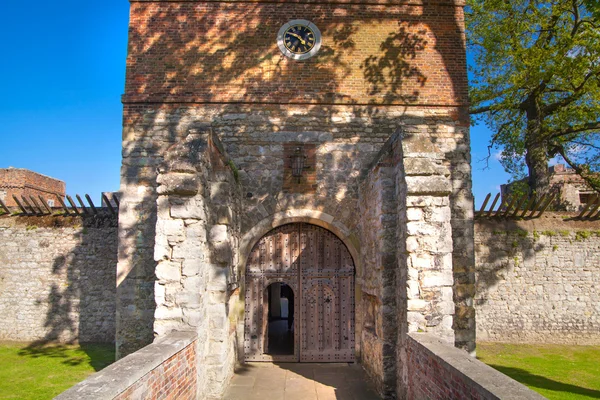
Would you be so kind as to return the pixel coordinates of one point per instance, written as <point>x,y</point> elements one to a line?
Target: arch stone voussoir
<point>319,218</point>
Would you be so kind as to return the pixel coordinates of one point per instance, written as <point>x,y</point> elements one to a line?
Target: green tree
<point>536,83</point>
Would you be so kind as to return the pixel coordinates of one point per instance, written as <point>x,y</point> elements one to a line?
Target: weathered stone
<point>168,271</point>
<point>424,166</point>
<point>436,279</point>
<point>428,185</point>
<point>218,233</point>
<point>177,184</point>
<point>192,208</point>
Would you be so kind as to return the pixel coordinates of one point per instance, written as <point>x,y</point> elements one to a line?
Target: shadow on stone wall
<point>82,294</point>
<point>500,256</point>
<point>151,128</point>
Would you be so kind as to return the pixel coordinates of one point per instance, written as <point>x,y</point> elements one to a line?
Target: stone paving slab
<point>289,381</point>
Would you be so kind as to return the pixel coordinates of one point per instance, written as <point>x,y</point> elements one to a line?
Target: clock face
<point>299,39</point>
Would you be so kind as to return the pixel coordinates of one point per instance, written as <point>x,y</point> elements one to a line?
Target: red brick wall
<point>227,52</point>
<point>430,378</point>
<point>22,182</point>
<point>173,379</point>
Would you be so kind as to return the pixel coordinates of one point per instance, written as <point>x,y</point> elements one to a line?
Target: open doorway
<point>281,319</point>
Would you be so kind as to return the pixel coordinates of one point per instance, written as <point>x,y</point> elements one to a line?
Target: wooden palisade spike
<point>73,205</point>
<point>3,206</point>
<point>482,209</point>
<point>39,208</point>
<point>110,207</point>
<point>89,199</point>
<point>45,204</point>
<point>33,210</point>
<point>510,206</point>
<point>83,207</point>
<point>520,204</point>
<point>548,202</point>
<point>63,205</point>
<point>20,205</point>
<point>489,214</point>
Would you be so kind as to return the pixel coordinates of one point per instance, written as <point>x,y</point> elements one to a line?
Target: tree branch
<point>590,126</point>
<point>577,92</point>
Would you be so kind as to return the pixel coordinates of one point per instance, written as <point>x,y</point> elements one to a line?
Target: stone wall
<point>57,278</point>
<point>165,369</point>
<point>537,280</point>
<point>439,372</point>
<point>376,306</point>
<point>196,250</point>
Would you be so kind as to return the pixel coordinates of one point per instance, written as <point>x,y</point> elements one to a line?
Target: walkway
<point>283,381</point>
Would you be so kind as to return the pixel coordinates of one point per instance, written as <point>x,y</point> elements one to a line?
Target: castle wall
<point>537,281</point>
<point>57,278</point>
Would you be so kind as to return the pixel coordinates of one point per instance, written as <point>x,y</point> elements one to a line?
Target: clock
<point>299,39</point>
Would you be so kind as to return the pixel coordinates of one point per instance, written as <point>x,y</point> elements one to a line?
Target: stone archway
<point>318,267</point>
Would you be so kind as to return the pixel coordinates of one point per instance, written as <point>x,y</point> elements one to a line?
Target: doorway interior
<point>280,330</point>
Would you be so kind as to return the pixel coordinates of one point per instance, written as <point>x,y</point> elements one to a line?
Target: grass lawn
<point>42,372</point>
<point>554,371</point>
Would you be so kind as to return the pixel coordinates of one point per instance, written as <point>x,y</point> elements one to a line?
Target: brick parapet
<point>440,371</point>
<point>164,369</point>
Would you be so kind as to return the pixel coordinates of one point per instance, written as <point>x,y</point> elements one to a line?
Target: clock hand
<point>298,36</point>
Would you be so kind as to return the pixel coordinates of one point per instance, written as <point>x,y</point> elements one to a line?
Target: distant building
<point>573,192</point>
<point>23,182</point>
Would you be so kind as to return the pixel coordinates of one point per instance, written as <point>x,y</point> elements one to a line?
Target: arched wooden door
<point>318,267</point>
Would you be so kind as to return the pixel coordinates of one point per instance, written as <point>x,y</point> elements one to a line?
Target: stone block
<point>430,185</point>
<point>168,271</point>
<point>221,253</point>
<point>421,262</point>
<point>419,228</point>
<point>218,233</point>
<point>424,166</point>
<point>417,305</point>
<point>164,313</point>
<point>189,298</point>
<point>437,279</point>
<point>220,193</point>
<point>415,145</point>
<point>170,229</point>
<point>191,208</point>
<point>223,215</point>
<point>192,267</point>
<point>414,214</point>
<point>178,184</point>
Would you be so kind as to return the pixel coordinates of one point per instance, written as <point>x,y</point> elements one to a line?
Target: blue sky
<point>62,73</point>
